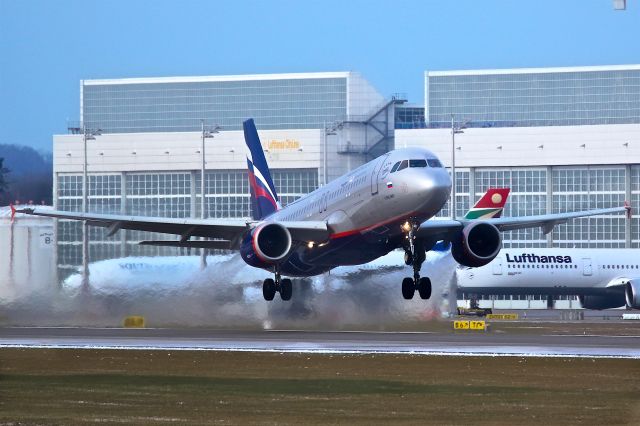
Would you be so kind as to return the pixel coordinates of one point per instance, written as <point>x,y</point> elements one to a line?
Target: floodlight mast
<point>455,128</point>
<point>206,133</point>
<point>87,135</point>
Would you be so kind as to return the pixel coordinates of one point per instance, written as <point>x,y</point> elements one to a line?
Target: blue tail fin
<point>264,199</point>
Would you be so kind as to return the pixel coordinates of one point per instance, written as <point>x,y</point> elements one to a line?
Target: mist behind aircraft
<point>173,291</point>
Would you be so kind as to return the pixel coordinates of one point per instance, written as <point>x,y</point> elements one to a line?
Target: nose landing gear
<point>284,286</point>
<point>414,255</point>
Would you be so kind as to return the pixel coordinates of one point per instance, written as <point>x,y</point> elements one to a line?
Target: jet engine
<point>266,244</point>
<point>601,302</point>
<point>477,244</point>
<point>632,294</point>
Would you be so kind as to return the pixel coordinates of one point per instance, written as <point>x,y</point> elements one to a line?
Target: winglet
<point>627,206</point>
<point>490,205</point>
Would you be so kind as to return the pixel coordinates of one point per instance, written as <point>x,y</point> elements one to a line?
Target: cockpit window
<point>403,165</point>
<point>418,163</point>
<point>395,167</point>
<point>434,162</point>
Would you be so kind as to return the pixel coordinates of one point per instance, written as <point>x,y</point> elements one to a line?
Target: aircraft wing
<point>547,221</point>
<point>444,229</point>
<point>226,233</point>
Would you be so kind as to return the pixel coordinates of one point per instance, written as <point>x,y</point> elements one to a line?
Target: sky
<point>47,47</point>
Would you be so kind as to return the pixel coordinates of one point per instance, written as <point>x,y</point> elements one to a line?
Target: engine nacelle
<point>265,245</point>
<point>632,294</point>
<point>477,244</point>
<point>601,302</point>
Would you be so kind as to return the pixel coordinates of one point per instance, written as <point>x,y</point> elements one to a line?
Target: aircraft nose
<point>436,186</point>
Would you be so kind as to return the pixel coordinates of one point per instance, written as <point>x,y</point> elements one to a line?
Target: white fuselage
<point>556,271</point>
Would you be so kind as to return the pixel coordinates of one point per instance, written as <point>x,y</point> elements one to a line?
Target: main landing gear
<point>414,255</point>
<point>281,285</point>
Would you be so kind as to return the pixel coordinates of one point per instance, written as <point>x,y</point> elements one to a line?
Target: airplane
<point>169,273</point>
<point>601,278</point>
<point>387,203</point>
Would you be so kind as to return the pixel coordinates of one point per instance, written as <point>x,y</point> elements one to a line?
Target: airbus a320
<point>385,204</point>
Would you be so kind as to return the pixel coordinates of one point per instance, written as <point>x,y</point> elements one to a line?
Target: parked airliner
<point>385,204</point>
<point>601,278</point>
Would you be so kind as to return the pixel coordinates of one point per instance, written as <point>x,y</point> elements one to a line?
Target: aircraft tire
<point>408,288</point>
<point>286,289</point>
<point>268,289</point>
<point>424,288</point>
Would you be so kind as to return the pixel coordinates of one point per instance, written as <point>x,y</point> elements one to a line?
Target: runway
<point>424,343</point>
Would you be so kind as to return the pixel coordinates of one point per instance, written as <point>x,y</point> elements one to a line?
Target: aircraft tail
<point>264,198</point>
<point>490,205</point>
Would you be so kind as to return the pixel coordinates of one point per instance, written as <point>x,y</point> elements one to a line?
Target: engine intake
<point>271,242</point>
<point>632,294</point>
<point>477,244</point>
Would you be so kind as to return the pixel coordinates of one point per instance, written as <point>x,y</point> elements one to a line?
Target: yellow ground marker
<point>469,325</point>
<point>503,316</point>
<point>133,322</point>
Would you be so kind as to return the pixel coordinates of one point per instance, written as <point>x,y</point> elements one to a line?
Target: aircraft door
<point>376,174</point>
<point>586,266</point>
<point>322,203</point>
<point>497,266</point>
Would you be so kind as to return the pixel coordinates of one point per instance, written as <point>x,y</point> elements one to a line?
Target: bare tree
<point>3,180</point>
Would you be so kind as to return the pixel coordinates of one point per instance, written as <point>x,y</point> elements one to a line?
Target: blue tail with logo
<point>264,198</point>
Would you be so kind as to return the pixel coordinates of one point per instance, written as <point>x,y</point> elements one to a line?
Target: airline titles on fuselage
<point>534,258</point>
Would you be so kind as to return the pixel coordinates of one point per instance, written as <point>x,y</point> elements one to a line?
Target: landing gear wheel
<point>286,288</point>
<point>408,258</point>
<point>268,289</point>
<point>424,287</point>
<point>408,288</point>
<point>414,255</point>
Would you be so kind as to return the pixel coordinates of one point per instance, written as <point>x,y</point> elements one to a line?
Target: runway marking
<point>347,331</point>
<point>414,351</point>
<point>591,335</point>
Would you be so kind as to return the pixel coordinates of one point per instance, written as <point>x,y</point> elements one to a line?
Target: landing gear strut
<point>414,255</point>
<point>270,286</point>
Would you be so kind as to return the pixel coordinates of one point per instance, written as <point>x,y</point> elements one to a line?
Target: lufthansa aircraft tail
<point>264,198</point>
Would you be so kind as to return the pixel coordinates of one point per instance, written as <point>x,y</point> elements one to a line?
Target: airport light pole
<point>455,129</point>
<point>324,156</point>
<point>87,135</point>
<point>326,132</point>
<point>206,133</point>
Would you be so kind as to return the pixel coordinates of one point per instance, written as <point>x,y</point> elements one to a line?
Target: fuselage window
<point>434,162</point>
<point>403,165</point>
<point>417,163</point>
<point>395,167</point>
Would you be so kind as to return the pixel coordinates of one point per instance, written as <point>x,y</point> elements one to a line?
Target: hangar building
<point>148,157</point>
<point>561,138</point>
